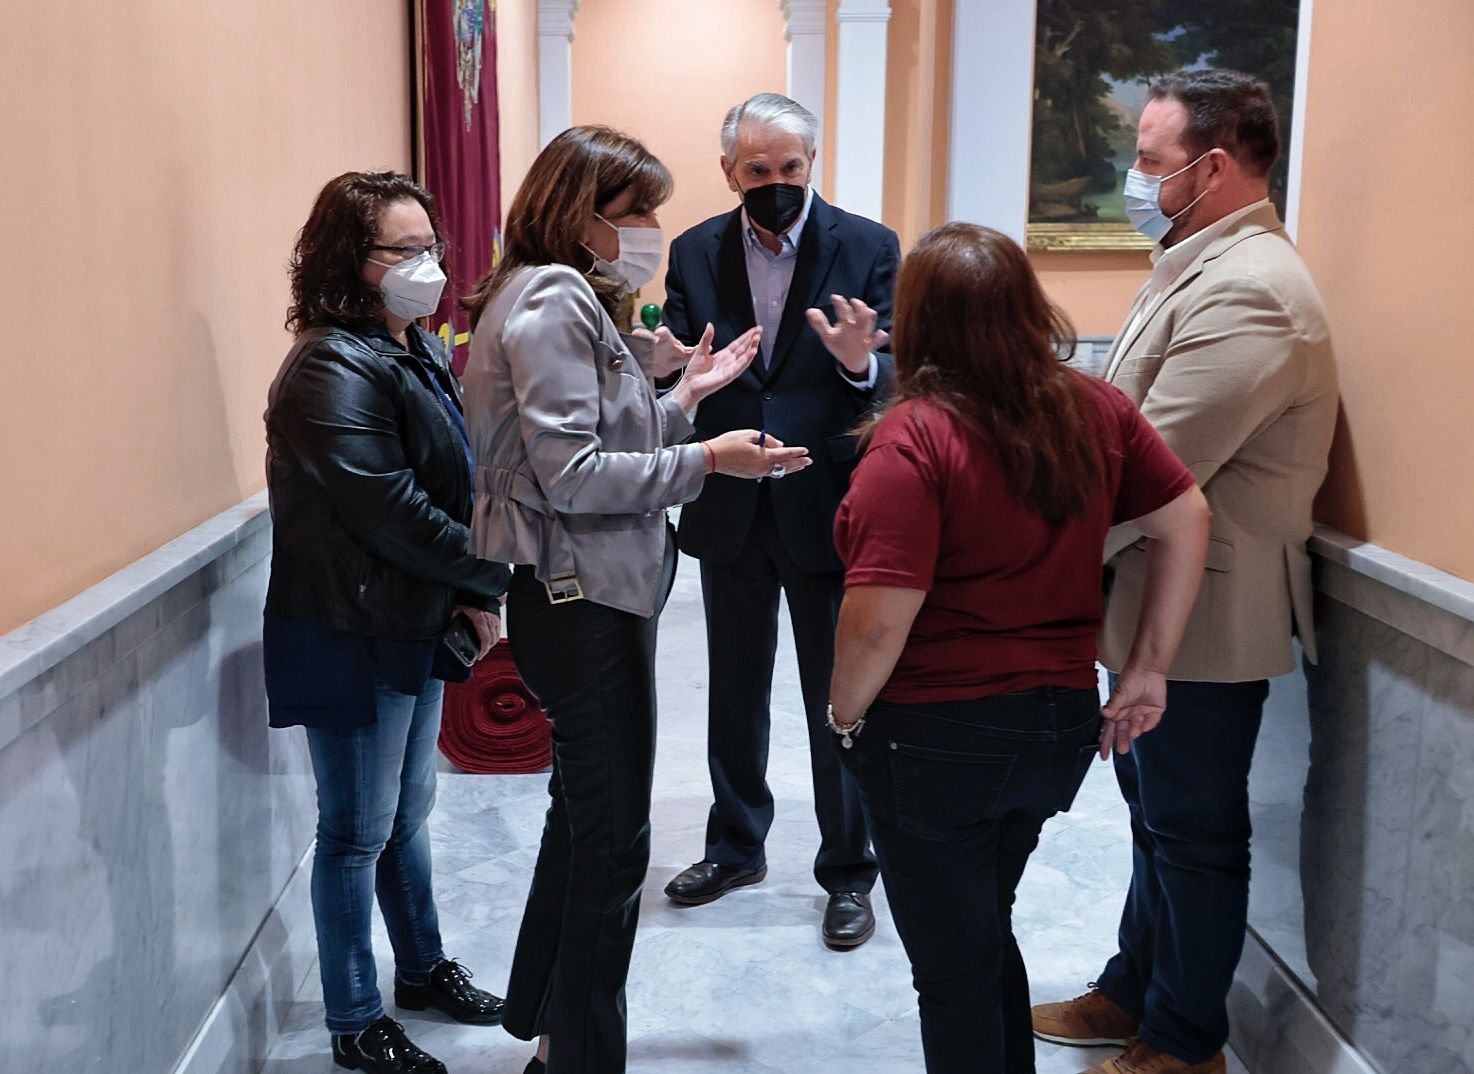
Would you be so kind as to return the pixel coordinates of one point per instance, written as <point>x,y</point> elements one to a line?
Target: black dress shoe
<point>848,919</point>
<point>383,1048</point>
<point>706,881</point>
<point>451,992</point>
<point>535,1066</point>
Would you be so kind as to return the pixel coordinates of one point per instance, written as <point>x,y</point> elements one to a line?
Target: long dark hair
<point>577,174</point>
<point>327,285</point>
<point>975,334</point>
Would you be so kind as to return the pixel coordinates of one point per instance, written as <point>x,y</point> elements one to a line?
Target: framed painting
<point>1093,61</point>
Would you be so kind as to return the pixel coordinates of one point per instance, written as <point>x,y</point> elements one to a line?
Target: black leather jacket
<point>370,493</point>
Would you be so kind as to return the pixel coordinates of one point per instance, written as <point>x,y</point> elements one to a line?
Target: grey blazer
<point>576,457</point>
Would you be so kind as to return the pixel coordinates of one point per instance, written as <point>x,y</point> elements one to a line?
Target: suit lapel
<point>734,294</point>
<point>1255,223</point>
<point>817,248</point>
<point>1123,340</point>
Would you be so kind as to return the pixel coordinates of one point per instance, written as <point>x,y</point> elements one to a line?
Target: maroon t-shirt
<point>1011,602</point>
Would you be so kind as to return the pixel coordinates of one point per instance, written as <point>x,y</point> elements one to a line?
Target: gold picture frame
<point>1055,237</point>
<point>1093,61</point>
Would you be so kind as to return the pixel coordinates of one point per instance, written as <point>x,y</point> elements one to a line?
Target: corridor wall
<point>649,68</point>
<point>158,159</point>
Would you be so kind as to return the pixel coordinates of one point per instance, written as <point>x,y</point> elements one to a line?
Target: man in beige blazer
<point>1227,352</point>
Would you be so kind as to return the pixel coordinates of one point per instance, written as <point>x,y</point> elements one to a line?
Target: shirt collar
<point>1171,261</point>
<point>790,237</point>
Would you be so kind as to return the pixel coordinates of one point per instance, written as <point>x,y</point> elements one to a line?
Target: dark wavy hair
<point>1228,110</point>
<point>577,174</point>
<point>975,334</point>
<point>327,285</point>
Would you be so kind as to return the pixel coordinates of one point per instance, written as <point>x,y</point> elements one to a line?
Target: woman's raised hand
<point>668,354</point>
<point>706,372</point>
<point>749,453</point>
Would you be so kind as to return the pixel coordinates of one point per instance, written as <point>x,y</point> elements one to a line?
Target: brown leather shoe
<point>1141,1058</point>
<point>1090,1020</point>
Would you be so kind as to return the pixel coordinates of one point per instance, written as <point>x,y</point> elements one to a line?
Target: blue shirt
<point>769,278</point>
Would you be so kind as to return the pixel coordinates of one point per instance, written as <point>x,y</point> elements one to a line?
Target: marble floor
<point>743,985</point>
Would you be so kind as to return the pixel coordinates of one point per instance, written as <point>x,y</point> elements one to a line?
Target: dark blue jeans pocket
<point>941,794</point>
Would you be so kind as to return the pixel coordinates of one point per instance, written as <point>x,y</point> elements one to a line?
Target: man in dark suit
<point>818,281</point>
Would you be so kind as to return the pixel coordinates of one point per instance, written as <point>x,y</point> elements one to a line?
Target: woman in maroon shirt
<point>964,677</point>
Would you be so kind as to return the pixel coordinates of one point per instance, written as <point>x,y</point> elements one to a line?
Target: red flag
<point>459,156</point>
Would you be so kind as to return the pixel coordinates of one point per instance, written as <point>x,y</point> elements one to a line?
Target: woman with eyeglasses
<point>964,691</point>
<point>369,473</point>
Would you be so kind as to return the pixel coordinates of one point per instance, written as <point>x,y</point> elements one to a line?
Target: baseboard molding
<point>1277,1028</point>
<point>245,1021</point>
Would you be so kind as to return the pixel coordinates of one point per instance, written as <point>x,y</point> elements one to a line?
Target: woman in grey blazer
<point>576,460</point>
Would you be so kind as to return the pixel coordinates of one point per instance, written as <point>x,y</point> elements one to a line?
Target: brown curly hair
<point>327,286</point>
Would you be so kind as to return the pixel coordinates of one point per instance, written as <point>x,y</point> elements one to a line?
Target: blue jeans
<point>955,794</point>
<point>1182,928</point>
<point>375,788</point>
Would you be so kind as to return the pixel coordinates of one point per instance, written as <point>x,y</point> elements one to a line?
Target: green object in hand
<point>650,316</point>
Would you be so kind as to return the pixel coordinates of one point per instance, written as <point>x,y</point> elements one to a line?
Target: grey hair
<point>771,110</point>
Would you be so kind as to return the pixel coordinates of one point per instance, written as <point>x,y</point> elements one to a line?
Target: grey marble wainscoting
<point>149,820</point>
<point>1362,903</point>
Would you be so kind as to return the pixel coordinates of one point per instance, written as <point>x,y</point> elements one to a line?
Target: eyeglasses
<point>436,250</point>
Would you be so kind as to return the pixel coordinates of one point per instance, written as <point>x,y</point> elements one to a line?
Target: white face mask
<point>412,288</point>
<point>640,250</point>
<point>1143,195</point>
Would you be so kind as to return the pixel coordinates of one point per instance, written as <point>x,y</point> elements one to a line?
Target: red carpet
<point>492,723</point>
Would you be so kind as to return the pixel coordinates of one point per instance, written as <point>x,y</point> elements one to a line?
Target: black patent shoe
<point>848,919</point>
<point>383,1048</point>
<point>451,992</point>
<point>706,881</point>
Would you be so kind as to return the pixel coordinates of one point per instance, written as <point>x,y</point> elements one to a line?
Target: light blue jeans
<point>375,788</point>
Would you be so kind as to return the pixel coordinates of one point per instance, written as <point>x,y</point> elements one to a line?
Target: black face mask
<point>774,207</point>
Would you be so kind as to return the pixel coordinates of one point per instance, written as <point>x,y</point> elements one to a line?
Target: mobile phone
<point>462,640</point>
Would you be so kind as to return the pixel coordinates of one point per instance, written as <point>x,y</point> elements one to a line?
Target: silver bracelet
<point>843,732</point>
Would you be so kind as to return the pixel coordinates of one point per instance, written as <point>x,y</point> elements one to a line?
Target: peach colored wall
<point>697,59</point>
<point>516,90</point>
<point>831,99</point>
<point>1094,288</point>
<point>1385,228</point>
<point>918,81</point>
<point>158,160</point>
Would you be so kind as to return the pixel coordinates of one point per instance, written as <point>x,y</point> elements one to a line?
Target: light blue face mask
<point>1143,194</point>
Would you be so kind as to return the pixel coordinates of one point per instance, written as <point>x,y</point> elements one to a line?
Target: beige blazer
<point>1233,366</point>
<point>576,457</point>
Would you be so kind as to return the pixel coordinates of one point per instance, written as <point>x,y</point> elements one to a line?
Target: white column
<point>859,127</point>
<point>554,67</point>
<point>807,33</point>
<point>1296,134</point>
<point>992,111</point>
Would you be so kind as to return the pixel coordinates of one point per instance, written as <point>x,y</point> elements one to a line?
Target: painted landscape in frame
<point>1093,60</point>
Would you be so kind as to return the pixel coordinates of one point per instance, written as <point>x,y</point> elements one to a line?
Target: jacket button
<point>768,396</point>
<point>615,363</point>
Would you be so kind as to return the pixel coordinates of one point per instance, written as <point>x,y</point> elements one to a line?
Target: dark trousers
<point>1182,929</point>
<point>955,794</point>
<point>741,601</point>
<point>593,670</point>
